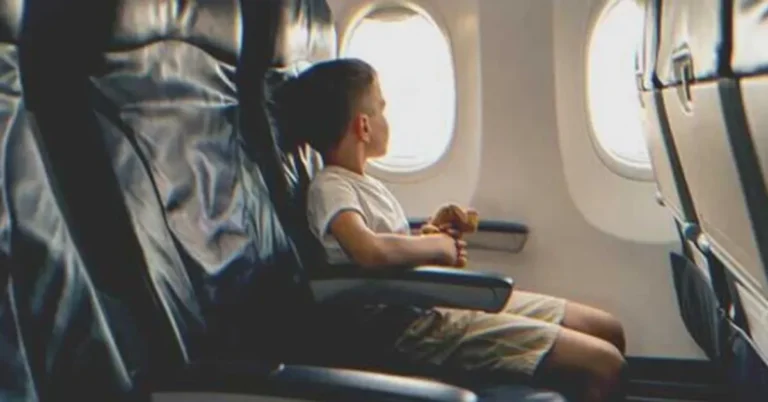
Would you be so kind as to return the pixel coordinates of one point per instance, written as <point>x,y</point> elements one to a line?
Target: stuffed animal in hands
<point>454,217</point>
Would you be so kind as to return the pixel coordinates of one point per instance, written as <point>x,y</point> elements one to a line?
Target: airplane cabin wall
<point>596,237</point>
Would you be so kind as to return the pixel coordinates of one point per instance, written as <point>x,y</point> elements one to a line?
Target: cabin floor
<point>668,380</point>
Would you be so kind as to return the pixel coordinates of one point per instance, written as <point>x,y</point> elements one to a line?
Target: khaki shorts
<point>513,341</point>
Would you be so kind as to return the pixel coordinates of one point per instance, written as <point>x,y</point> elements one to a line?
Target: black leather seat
<point>61,334</point>
<point>182,242</point>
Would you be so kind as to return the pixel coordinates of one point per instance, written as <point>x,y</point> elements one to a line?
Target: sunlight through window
<point>413,59</point>
<point>614,105</point>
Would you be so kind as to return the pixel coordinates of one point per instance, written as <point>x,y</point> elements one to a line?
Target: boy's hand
<point>446,228</point>
<point>454,251</point>
<point>450,231</point>
<point>461,247</point>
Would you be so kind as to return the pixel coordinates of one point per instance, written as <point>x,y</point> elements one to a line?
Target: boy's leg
<point>512,345</point>
<point>598,323</point>
<point>578,353</point>
<point>575,316</point>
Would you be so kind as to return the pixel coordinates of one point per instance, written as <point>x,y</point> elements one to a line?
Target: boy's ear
<point>364,127</point>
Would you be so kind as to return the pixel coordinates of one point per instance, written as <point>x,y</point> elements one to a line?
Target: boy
<point>358,220</point>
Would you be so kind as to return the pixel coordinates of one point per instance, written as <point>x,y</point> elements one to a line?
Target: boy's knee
<point>609,364</point>
<point>595,322</point>
<point>613,375</point>
<point>615,333</point>
<point>597,362</point>
<point>611,330</point>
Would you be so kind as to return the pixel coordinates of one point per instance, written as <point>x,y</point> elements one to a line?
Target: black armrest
<point>491,235</point>
<point>484,226</point>
<point>310,383</point>
<point>423,286</point>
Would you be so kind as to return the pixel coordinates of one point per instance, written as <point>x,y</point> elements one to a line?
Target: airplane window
<point>613,98</point>
<point>415,66</point>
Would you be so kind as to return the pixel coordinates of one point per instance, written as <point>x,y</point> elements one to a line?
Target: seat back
<point>307,36</point>
<point>700,282</point>
<point>62,334</point>
<point>703,103</point>
<point>165,95</point>
<point>693,65</point>
<point>150,120</point>
<point>743,104</point>
<point>672,189</point>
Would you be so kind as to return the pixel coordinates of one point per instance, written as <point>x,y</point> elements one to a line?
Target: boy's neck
<point>349,161</point>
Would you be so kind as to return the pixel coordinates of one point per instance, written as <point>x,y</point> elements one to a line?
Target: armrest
<point>484,226</point>
<point>309,383</point>
<point>492,235</point>
<point>423,286</point>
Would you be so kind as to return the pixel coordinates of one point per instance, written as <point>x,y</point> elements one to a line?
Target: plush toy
<point>458,218</point>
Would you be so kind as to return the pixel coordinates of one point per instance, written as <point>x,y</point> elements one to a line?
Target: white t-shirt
<point>334,190</point>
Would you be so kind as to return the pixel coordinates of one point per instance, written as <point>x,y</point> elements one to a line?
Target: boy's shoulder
<point>326,175</point>
<point>332,176</point>
<point>328,180</point>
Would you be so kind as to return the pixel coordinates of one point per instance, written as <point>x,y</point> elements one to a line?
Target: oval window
<point>413,59</point>
<point>614,104</point>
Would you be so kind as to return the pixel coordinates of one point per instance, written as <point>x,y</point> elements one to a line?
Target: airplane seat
<point>706,120</point>
<point>749,62</point>
<point>699,284</point>
<point>61,333</point>
<point>162,92</point>
<point>672,191</point>
<point>308,36</point>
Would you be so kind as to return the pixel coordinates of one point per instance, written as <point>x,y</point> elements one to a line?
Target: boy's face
<point>375,129</point>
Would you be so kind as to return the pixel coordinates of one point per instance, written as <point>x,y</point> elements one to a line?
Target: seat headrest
<point>750,32</point>
<point>306,33</point>
<point>10,20</point>
<point>695,28</point>
<point>303,33</point>
<point>213,25</point>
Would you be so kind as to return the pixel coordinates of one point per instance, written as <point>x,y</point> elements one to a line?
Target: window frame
<point>615,163</point>
<point>432,15</point>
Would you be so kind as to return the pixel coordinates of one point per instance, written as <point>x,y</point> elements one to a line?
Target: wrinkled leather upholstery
<point>168,112</point>
<point>172,196</point>
<point>306,35</point>
<point>57,331</point>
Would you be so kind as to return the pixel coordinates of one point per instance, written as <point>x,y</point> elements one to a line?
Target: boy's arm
<point>369,249</point>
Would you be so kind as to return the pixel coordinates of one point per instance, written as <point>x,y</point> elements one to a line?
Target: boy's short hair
<point>317,106</point>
